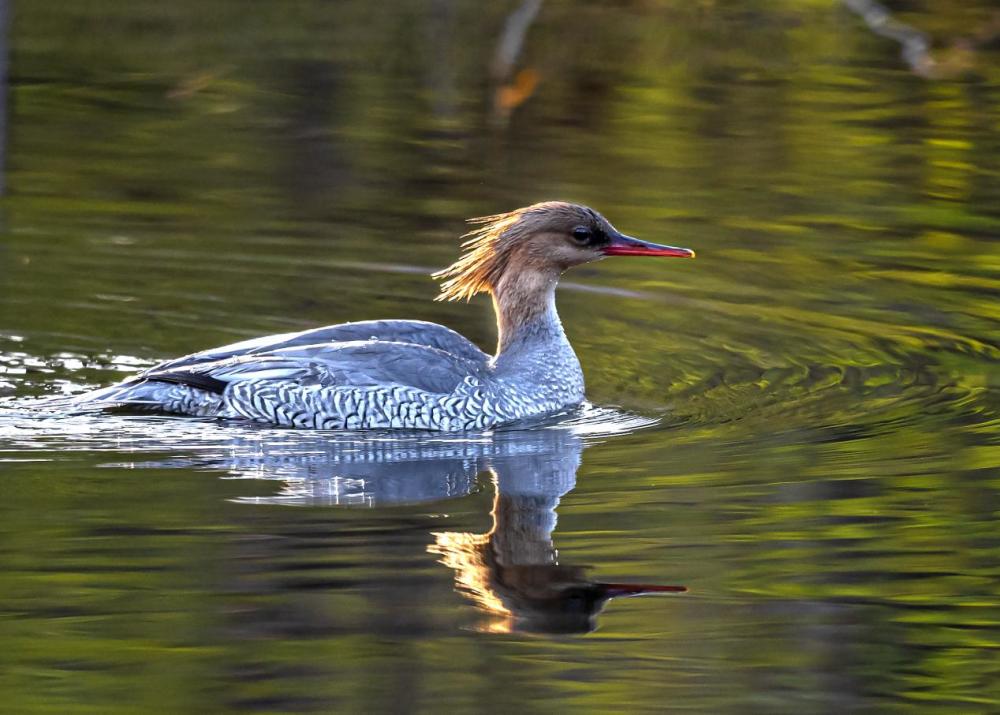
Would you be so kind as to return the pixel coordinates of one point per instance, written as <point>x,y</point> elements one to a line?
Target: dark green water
<point>808,424</point>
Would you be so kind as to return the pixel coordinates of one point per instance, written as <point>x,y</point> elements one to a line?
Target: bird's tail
<point>157,395</point>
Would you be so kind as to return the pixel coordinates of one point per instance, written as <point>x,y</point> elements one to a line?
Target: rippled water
<point>800,427</point>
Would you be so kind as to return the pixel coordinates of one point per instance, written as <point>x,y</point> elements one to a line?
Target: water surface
<point>801,426</point>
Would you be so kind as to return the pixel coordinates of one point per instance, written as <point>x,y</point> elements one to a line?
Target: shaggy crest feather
<point>481,264</point>
<point>487,251</point>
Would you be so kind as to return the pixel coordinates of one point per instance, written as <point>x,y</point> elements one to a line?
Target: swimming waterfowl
<point>411,374</point>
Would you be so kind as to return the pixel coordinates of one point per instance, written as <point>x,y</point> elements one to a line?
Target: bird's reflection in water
<point>512,572</point>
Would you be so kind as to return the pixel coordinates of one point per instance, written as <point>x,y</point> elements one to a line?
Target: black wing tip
<point>196,380</point>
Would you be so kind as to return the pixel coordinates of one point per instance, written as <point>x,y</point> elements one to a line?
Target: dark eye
<point>582,234</point>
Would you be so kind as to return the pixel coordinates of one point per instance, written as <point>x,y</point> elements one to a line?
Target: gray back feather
<point>414,332</point>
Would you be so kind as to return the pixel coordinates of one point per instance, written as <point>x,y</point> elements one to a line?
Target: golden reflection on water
<point>464,554</point>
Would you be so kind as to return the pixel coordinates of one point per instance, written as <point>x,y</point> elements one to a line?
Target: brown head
<point>529,248</point>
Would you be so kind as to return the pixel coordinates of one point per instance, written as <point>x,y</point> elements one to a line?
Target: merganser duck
<point>411,374</point>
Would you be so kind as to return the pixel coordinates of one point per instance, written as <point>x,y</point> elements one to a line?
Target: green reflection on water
<point>824,476</point>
